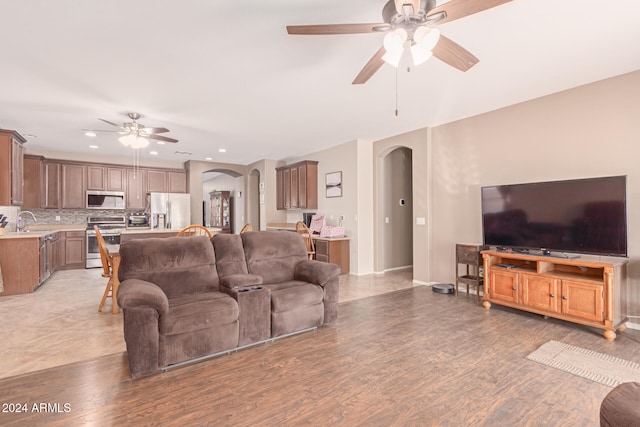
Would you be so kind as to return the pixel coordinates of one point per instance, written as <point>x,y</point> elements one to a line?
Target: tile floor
<point>60,323</point>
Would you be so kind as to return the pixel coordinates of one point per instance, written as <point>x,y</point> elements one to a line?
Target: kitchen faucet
<point>19,224</point>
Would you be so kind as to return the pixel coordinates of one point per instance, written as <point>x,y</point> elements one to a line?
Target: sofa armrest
<point>233,281</point>
<point>134,293</point>
<point>316,272</point>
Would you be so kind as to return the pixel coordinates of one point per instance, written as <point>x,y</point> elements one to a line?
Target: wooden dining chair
<point>107,268</point>
<point>247,227</point>
<point>303,231</point>
<point>194,230</point>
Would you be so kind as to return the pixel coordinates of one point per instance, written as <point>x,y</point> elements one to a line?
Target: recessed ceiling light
<point>91,134</point>
<point>93,146</point>
<point>153,153</point>
<point>160,142</point>
<point>208,158</point>
<point>222,150</point>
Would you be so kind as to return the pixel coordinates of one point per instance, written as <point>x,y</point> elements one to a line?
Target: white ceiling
<point>227,75</point>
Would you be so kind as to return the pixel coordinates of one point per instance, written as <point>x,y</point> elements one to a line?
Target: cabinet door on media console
<point>583,300</point>
<point>540,292</point>
<point>504,286</point>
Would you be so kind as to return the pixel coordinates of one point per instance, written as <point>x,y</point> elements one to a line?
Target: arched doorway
<point>223,180</point>
<point>395,209</point>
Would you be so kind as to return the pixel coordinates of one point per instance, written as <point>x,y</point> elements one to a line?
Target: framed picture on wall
<point>333,182</point>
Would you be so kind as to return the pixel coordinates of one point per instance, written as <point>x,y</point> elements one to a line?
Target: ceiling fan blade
<point>103,130</point>
<point>111,123</point>
<point>160,138</point>
<point>456,9</point>
<point>453,54</point>
<point>328,29</point>
<point>152,131</point>
<point>370,67</point>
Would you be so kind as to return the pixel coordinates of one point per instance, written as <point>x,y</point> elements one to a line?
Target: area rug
<point>592,365</point>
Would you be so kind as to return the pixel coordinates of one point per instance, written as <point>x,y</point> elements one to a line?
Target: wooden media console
<point>585,290</point>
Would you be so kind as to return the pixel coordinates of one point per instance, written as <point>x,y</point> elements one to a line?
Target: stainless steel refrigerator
<point>170,210</point>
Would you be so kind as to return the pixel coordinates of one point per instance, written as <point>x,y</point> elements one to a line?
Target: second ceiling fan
<point>410,22</point>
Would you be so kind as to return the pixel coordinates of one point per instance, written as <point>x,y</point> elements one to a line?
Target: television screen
<point>578,216</point>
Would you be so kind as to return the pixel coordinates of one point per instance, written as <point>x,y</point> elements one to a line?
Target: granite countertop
<point>40,230</point>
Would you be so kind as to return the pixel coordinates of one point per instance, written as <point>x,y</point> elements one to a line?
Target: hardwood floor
<point>410,357</point>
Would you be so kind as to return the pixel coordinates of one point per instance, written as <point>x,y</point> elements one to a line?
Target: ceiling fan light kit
<point>414,21</point>
<point>134,141</point>
<point>136,135</point>
<point>394,45</point>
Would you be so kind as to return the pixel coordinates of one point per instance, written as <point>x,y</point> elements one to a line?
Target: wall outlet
<point>420,221</point>
<point>57,217</point>
<point>386,220</point>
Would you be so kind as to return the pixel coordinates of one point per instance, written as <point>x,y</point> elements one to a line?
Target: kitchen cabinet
<point>177,182</point>
<point>166,181</point>
<point>297,185</point>
<point>105,178</point>
<point>11,168</point>
<point>33,176</point>
<point>585,290</point>
<point>334,250</point>
<point>136,194</point>
<point>74,249</point>
<point>50,187</point>
<point>221,211</point>
<point>156,181</point>
<point>20,264</point>
<point>73,186</point>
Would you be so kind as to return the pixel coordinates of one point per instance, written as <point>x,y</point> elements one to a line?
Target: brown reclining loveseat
<point>184,298</point>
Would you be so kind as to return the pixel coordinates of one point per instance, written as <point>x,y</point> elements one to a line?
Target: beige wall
<point>589,131</point>
<point>268,211</point>
<point>417,141</point>
<point>341,158</point>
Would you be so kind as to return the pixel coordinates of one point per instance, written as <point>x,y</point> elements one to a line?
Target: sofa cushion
<point>229,254</point>
<point>178,265</point>
<point>289,295</point>
<point>620,406</point>
<point>198,311</point>
<point>273,254</point>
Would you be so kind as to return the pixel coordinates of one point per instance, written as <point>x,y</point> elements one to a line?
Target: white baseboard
<point>635,326</point>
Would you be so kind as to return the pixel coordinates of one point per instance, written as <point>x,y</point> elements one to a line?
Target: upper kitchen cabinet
<point>32,178</point>
<point>177,181</point>
<point>136,197</point>
<point>297,185</point>
<point>11,168</point>
<point>106,178</point>
<point>73,186</point>
<point>166,181</point>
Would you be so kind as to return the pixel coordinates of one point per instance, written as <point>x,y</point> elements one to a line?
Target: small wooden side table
<point>469,257</point>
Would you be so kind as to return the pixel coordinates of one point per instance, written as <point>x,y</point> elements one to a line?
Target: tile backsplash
<point>57,216</point>
<point>11,212</point>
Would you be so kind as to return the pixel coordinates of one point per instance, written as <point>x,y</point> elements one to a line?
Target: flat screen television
<point>585,216</point>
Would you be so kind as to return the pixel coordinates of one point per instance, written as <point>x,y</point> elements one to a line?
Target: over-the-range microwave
<point>105,199</point>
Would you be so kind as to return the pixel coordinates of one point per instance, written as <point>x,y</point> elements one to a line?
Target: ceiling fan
<point>412,23</point>
<point>136,134</point>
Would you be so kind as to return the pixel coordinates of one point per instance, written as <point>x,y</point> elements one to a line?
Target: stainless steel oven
<point>110,228</point>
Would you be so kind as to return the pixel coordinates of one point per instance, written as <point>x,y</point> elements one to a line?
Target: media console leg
<point>610,335</point>
<point>486,304</point>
